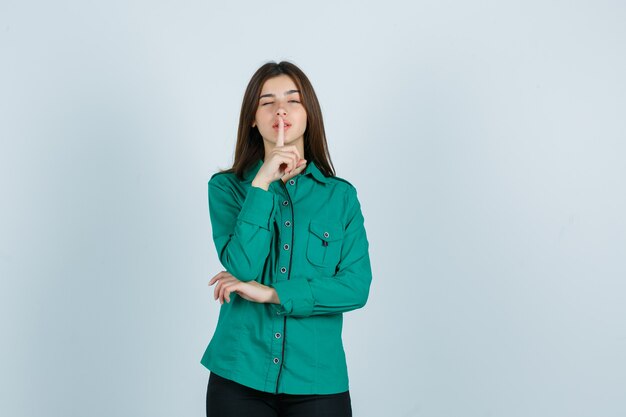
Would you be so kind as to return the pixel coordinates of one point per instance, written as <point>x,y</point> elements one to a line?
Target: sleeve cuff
<point>257,207</point>
<point>296,297</point>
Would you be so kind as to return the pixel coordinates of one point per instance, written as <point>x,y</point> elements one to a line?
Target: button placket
<point>286,246</point>
<point>286,235</point>
<point>284,262</point>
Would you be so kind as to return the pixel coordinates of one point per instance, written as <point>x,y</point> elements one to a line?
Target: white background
<point>486,140</point>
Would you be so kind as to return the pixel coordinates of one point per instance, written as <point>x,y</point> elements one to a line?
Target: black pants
<point>226,398</point>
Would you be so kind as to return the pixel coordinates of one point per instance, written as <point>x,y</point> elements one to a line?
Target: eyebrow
<point>274,95</point>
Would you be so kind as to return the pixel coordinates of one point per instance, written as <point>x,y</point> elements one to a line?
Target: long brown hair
<point>250,148</point>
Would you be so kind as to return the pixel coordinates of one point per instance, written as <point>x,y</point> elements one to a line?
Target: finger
<point>226,280</point>
<point>294,149</point>
<point>223,281</point>
<point>217,277</point>
<point>285,162</point>
<point>280,140</point>
<point>227,294</point>
<point>220,293</point>
<point>216,290</point>
<point>221,275</point>
<point>298,170</point>
<point>290,159</point>
<point>227,290</point>
<point>292,163</point>
<point>223,292</point>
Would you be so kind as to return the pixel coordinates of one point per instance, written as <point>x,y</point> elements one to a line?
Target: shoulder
<point>342,184</point>
<point>341,180</point>
<point>226,185</point>
<point>346,189</point>
<point>224,179</point>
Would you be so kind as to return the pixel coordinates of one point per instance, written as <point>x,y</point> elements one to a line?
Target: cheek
<point>264,114</point>
<point>301,116</point>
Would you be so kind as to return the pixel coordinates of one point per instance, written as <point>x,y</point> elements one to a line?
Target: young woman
<point>291,236</point>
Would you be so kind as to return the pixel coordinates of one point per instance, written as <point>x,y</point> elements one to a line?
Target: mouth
<point>287,124</point>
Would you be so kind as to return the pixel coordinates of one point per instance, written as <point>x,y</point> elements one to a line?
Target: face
<point>280,97</point>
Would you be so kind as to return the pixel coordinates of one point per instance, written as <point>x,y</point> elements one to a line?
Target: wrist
<point>260,184</point>
<point>273,297</point>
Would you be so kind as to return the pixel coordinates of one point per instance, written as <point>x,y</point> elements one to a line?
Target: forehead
<point>278,85</point>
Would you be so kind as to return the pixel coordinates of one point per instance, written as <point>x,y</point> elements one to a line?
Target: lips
<point>287,124</point>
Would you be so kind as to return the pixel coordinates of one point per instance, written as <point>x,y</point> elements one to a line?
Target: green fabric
<point>294,347</point>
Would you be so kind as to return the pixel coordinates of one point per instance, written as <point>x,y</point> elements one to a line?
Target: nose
<point>281,112</point>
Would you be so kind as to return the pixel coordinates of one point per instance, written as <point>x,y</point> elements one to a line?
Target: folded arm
<point>347,290</point>
<point>241,232</point>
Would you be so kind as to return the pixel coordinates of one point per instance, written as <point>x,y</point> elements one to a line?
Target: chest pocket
<point>324,242</point>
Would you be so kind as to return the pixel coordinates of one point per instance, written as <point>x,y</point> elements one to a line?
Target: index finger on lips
<point>280,140</point>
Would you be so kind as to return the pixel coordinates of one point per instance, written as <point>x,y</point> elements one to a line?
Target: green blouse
<point>306,239</point>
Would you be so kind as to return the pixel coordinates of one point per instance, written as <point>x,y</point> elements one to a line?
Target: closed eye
<point>271,102</point>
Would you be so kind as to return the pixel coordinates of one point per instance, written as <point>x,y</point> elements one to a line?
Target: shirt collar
<point>311,169</point>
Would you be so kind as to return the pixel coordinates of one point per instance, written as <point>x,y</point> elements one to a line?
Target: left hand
<point>249,290</point>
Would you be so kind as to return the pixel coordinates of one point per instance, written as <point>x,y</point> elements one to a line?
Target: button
<point>285,203</point>
<point>286,246</point>
<point>292,182</point>
<point>326,234</point>
<point>283,269</point>
<point>287,223</point>
<point>276,360</point>
<point>277,335</point>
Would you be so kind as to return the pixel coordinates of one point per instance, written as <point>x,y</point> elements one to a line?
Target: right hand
<point>248,290</point>
<point>282,160</point>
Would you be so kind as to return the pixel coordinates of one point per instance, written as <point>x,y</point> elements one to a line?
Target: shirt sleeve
<point>241,231</point>
<point>347,290</point>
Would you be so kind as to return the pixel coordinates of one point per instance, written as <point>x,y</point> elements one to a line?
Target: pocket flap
<point>327,230</point>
